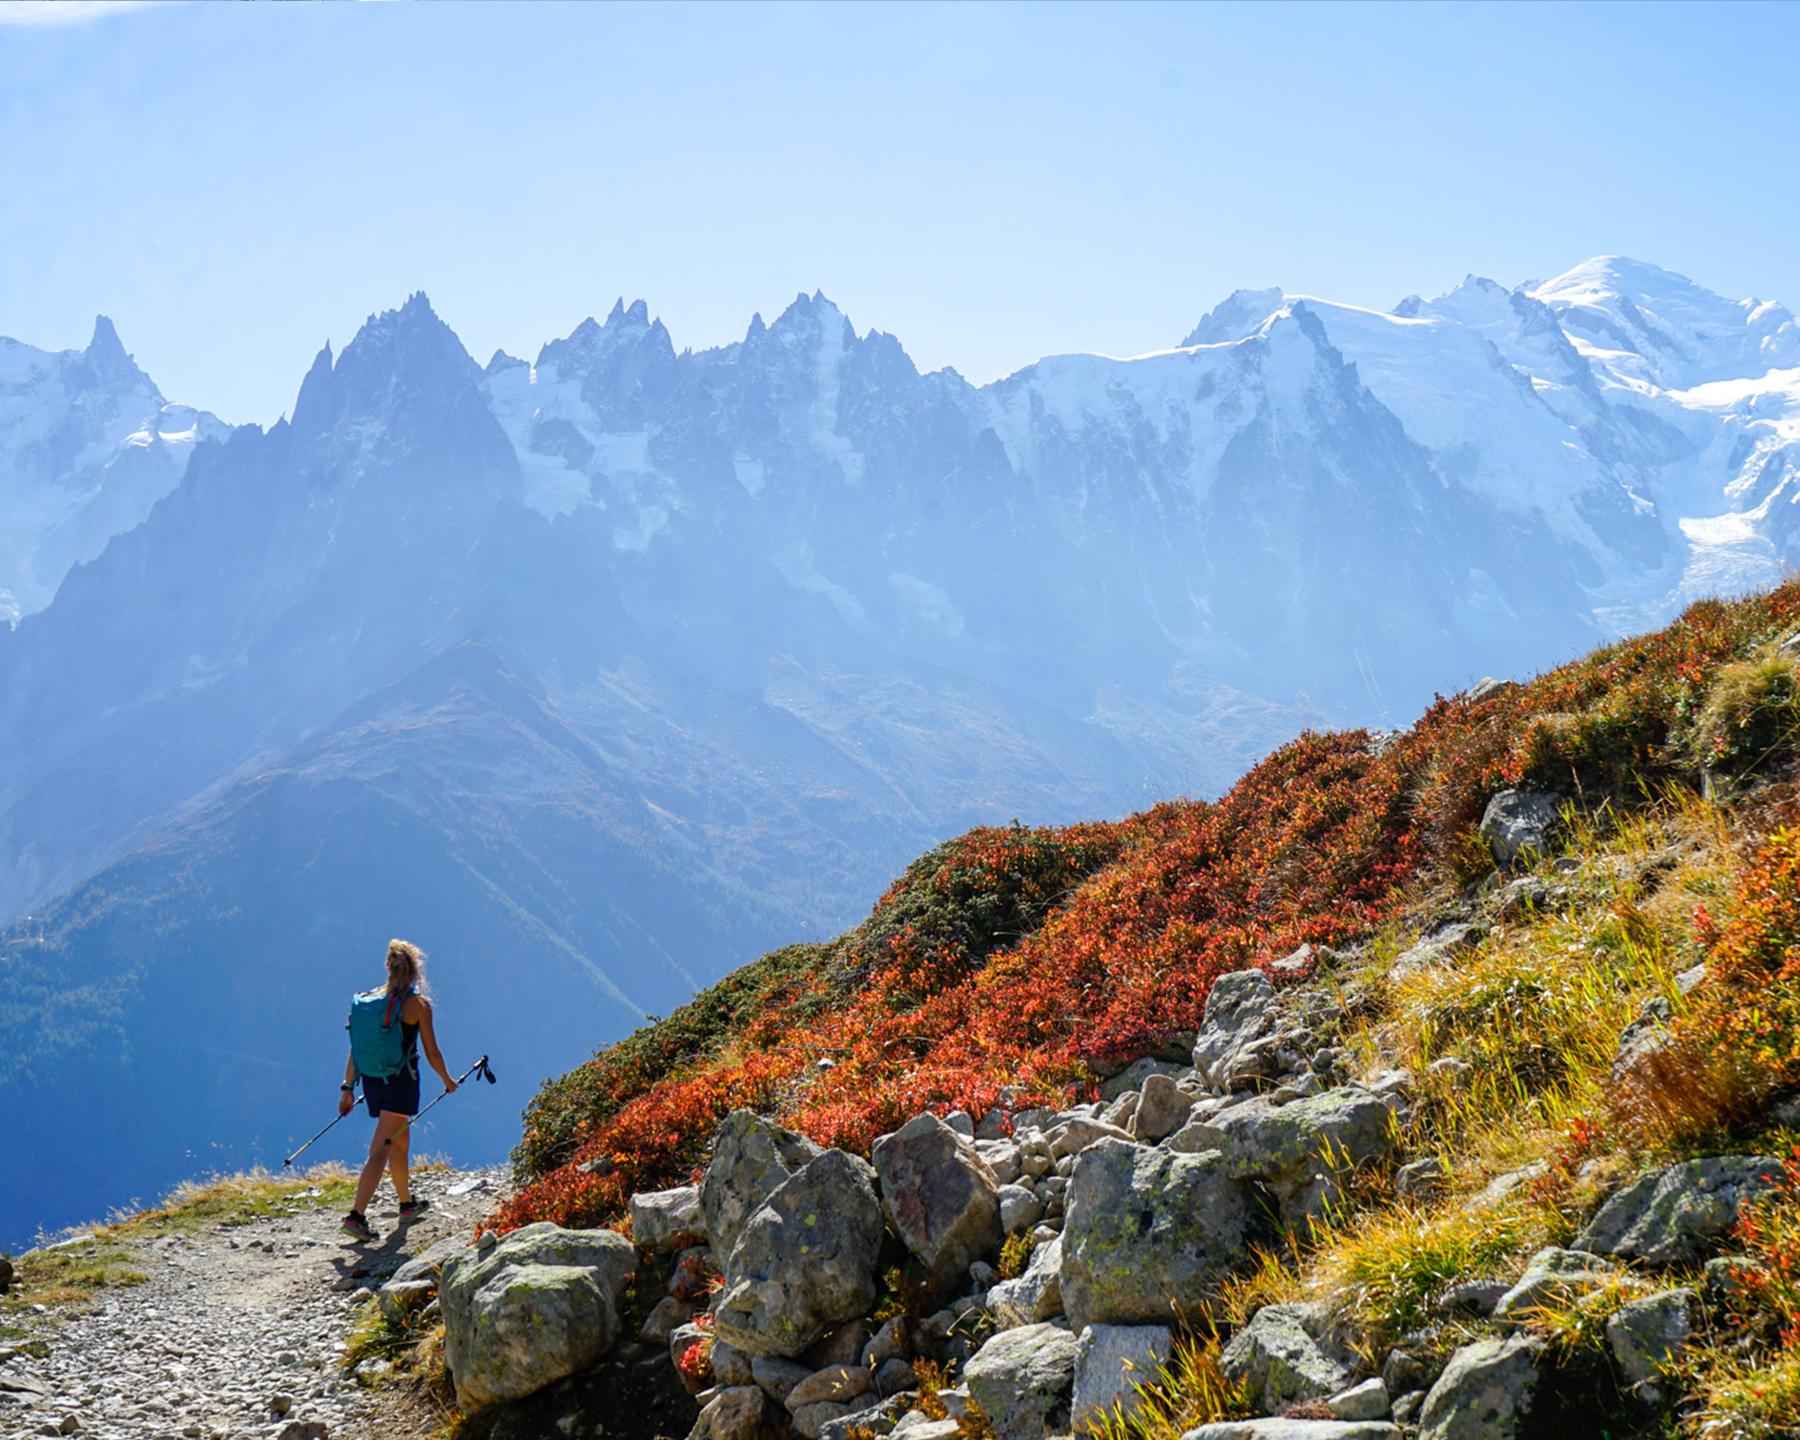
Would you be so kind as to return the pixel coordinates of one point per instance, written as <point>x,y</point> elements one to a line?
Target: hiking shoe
<point>354,1224</point>
<point>413,1207</point>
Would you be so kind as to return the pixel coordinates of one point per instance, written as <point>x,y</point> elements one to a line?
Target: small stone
<point>894,1376</point>
<point>1420,1181</point>
<point>838,1382</point>
<point>1019,1208</point>
<point>1474,1297</point>
<point>1367,1401</point>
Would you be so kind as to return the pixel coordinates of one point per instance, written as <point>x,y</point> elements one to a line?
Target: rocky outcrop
<point>1149,1234</point>
<point>940,1197</point>
<point>1681,1213</point>
<point>752,1157</point>
<point>538,1305</point>
<point>805,1259</point>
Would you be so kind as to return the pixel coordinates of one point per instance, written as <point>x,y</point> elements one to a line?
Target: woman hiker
<point>386,1026</point>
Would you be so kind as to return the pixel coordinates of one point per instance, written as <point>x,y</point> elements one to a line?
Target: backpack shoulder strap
<point>391,1011</point>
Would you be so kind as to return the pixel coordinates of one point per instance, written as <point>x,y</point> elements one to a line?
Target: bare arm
<point>347,1096</point>
<point>428,1039</point>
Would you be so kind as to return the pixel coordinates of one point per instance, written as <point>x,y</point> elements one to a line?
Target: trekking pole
<point>480,1067</point>
<point>303,1149</point>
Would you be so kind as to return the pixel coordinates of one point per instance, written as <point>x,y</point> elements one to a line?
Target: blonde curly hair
<point>405,967</point>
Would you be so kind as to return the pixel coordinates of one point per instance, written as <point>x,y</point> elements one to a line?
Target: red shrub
<point>1019,960</point>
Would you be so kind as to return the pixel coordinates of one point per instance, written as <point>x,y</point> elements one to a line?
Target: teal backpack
<point>377,1039</point>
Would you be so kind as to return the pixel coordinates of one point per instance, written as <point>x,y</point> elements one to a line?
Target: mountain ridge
<point>809,611</point>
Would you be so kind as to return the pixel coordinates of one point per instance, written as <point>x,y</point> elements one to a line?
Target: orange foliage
<point>1020,960</point>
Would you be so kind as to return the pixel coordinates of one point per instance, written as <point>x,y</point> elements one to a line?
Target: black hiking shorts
<point>398,1093</point>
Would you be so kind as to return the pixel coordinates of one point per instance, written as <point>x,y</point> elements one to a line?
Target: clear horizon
<point>237,185</point>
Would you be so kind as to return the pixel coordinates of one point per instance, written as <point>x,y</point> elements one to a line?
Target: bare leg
<point>397,1163</point>
<point>389,1122</point>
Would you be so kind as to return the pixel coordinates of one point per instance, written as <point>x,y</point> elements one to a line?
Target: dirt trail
<point>237,1332</point>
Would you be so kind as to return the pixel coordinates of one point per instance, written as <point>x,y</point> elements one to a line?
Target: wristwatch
<point>348,1089</point>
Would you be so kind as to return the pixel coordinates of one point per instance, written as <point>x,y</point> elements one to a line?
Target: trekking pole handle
<point>480,1067</point>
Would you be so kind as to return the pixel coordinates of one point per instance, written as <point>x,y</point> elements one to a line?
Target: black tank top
<point>409,1041</point>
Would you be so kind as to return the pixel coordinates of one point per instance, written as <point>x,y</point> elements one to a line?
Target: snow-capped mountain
<point>1642,416</point>
<point>599,671</point>
<point>87,445</point>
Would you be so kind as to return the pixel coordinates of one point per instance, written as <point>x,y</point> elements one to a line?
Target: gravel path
<point>237,1333</point>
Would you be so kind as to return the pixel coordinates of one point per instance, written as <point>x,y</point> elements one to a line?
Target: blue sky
<point>236,184</point>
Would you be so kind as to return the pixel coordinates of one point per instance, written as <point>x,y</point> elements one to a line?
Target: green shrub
<point>1751,717</point>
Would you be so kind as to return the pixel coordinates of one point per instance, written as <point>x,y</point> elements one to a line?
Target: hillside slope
<point>1549,1090</point>
<point>1023,960</point>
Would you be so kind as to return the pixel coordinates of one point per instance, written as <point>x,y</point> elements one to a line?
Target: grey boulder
<point>1646,1335</point>
<point>751,1157</point>
<point>778,1376</point>
<point>1283,1358</point>
<point>1240,1010</point>
<point>842,1383</point>
<point>1148,1234</point>
<point>540,1304</point>
<point>939,1195</point>
<point>1518,823</point>
<point>1681,1212</point>
<point>1485,1392</point>
<point>663,1221</point>
<point>1555,1274</point>
<point>1034,1296</point>
<point>1302,1150</point>
<point>1113,1364</point>
<point>1162,1109</point>
<point>1020,1209</point>
<point>805,1260</point>
<point>1022,1380</point>
<point>1367,1401</point>
<point>1284,1429</point>
<point>736,1412</point>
